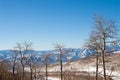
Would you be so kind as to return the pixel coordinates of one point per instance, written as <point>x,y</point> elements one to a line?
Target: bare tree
<point>104,33</point>
<point>35,69</point>
<point>60,48</point>
<point>23,49</point>
<point>94,44</point>
<point>46,61</point>
<point>31,62</point>
<point>4,71</point>
<point>14,60</point>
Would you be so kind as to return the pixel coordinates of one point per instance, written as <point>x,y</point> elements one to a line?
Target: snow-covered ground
<point>115,74</point>
<point>86,65</point>
<point>91,69</point>
<point>52,78</point>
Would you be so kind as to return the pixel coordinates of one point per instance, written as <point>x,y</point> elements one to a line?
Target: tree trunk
<point>46,72</point>
<point>61,74</point>
<point>104,69</point>
<point>13,71</point>
<point>35,74</point>
<point>31,73</point>
<point>61,69</point>
<point>96,65</point>
<point>22,72</point>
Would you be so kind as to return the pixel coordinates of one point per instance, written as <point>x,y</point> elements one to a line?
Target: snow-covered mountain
<point>68,54</point>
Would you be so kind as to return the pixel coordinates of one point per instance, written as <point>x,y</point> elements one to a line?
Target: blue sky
<point>45,22</point>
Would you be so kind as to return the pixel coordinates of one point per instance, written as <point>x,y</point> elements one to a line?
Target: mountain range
<point>70,54</point>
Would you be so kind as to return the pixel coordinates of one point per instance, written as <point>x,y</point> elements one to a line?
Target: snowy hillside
<point>88,65</point>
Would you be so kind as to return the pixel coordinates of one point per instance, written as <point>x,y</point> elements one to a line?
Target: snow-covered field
<point>52,78</point>
<point>87,65</point>
<point>91,69</point>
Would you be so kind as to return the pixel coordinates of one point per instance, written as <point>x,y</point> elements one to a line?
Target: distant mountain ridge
<point>70,54</point>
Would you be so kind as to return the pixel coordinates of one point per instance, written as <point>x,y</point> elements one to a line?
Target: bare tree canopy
<point>22,49</point>
<point>60,48</point>
<point>104,33</point>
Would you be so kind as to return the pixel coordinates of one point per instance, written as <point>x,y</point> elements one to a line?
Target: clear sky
<point>45,22</point>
